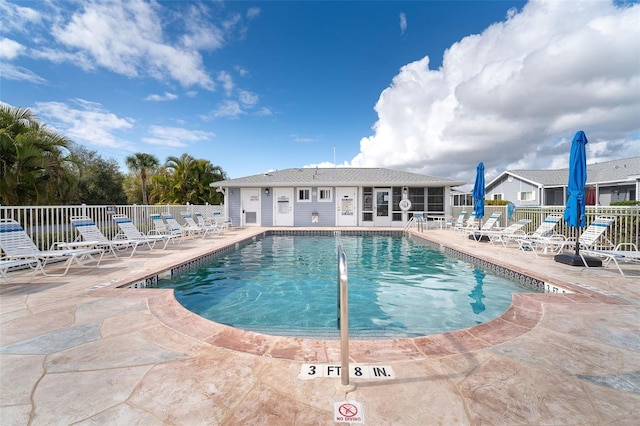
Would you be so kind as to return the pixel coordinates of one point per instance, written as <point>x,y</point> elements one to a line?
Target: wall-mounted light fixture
<point>266,191</point>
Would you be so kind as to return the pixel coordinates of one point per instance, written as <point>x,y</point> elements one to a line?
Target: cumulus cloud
<point>514,95</point>
<point>175,136</point>
<point>84,122</point>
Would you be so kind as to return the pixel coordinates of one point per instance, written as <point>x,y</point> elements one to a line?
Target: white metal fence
<point>625,229</point>
<point>49,224</point>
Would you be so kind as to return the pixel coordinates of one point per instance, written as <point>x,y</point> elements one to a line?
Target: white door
<point>382,207</point>
<point>346,206</point>
<point>283,206</point>
<point>250,208</point>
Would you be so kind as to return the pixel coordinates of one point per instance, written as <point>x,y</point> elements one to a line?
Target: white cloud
<point>88,123</point>
<point>403,23</point>
<point>127,37</point>
<point>515,95</point>
<point>11,72</point>
<point>10,49</point>
<point>15,17</point>
<point>228,109</point>
<point>176,136</point>
<point>227,82</point>
<point>164,97</point>
<point>247,98</point>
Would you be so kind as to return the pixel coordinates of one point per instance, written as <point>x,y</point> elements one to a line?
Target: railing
<point>49,224</point>
<point>343,320</point>
<point>625,229</point>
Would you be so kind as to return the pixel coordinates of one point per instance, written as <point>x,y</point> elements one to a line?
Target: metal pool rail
<point>343,320</point>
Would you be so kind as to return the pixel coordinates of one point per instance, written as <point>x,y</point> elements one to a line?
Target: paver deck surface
<point>80,350</point>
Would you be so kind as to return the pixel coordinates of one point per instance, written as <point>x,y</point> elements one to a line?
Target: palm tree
<point>141,163</point>
<point>35,163</point>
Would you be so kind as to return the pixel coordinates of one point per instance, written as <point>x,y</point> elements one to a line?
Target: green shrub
<point>626,203</point>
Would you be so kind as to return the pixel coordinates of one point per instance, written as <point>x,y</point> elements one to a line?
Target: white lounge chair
<point>91,234</point>
<point>504,236</point>
<point>202,230</point>
<point>130,232</point>
<point>202,222</point>
<point>624,252</point>
<point>219,220</point>
<point>459,223</point>
<point>163,228</point>
<point>16,244</point>
<point>5,265</point>
<point>471,224</point>
<point>588,238</point>
<point>486,227</point>
<point>174,225</point>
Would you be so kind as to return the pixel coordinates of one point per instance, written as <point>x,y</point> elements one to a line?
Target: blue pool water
<point>286,285</point>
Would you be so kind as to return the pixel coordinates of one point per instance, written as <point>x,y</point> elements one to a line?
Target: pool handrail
<point>343,320</point>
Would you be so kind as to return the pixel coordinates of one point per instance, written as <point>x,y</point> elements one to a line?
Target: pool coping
<point>525,313</point>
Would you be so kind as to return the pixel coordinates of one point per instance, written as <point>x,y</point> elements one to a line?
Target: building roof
<point>338,176</point>
<point>623,170</point>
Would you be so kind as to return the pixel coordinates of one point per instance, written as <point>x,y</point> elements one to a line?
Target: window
<point>526,196</point>
<point>497,196</point>
<point>367,204</point>
<point>325,194</point>
<point>416,196</point>
<point>396,197</point>
<point>435,200</point>
<point>304,194</point>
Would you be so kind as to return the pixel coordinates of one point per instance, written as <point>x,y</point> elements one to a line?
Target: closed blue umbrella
<point>574,211</point>
<point>478,191</point>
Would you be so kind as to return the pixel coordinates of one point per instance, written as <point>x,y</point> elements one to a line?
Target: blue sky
<point>425,86</point>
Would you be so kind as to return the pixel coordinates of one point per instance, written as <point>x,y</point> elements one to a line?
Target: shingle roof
<point>608,171</point>
<point>336,176</point>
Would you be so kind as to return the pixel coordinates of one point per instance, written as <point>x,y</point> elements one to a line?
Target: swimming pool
<point>398,287</point>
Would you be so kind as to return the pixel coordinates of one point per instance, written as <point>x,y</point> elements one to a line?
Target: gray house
<point>333,197</point>
<point>617,180</point>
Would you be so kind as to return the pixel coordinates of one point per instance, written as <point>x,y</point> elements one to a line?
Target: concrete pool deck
<point>80,350</point>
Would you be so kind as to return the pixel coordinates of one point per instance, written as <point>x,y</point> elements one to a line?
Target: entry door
<point>382,207</point>
<point>283,207</point>
<point>250,206</point>
<point>346,206</point>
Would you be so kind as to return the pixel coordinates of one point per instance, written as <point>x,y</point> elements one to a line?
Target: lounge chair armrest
<point>631,247</point>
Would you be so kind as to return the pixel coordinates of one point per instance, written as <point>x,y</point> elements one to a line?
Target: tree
<point>186,180</point>
<point>35,163</point>
<point>99,181</point>
<point>141,163</point>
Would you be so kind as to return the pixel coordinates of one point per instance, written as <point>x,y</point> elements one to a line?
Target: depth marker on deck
<point>358,371</point>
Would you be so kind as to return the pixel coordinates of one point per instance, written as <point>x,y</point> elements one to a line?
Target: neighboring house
<point>617,180</point>
<point>333,197</point>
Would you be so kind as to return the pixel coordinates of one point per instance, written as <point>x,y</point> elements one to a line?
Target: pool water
<point>287,285</point>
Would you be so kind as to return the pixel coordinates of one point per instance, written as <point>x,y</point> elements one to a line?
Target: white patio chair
<point>16,244</point>
<point>459,223</point>
<point>624,252</point>
<point>163,228</point>
<point>5,265</point>
<point>486,226</point>
<point>202,230</point>
<point>202,222</point>
<point>130,232</point>
<point>504,236</point>
<point>91,234</point>
<point>185,230</point>
<point>588,238</point>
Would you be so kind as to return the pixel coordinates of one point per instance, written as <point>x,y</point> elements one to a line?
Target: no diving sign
<point>348,411</point>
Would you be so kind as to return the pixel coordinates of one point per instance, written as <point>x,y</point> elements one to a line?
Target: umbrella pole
<point>578,239</point>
